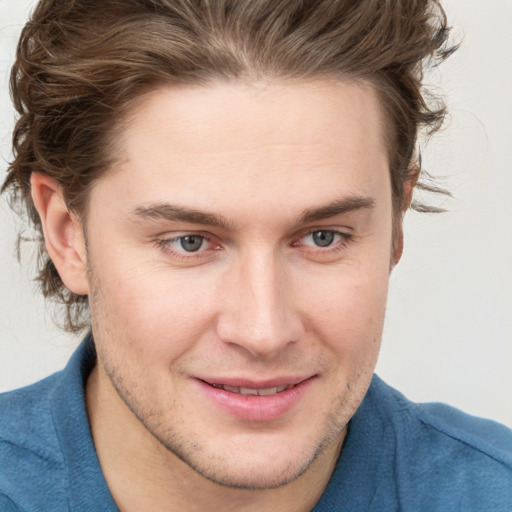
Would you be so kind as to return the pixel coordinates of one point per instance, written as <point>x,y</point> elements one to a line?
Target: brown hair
<point>80,64</point>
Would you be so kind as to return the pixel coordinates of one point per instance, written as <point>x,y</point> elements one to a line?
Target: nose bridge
<point>260,314</point>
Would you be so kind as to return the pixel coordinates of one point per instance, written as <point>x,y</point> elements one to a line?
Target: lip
<point>255,407</point>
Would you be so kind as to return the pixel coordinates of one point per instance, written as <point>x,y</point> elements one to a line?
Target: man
<point>221,186</point>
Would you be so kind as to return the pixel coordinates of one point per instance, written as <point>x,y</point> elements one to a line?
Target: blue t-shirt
<point>397,455</point>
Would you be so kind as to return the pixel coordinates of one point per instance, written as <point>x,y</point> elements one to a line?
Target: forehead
<point>252,139</point>
<point>300,111</point>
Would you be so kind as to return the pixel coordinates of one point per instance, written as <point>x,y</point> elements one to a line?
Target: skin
<point>273,164</point>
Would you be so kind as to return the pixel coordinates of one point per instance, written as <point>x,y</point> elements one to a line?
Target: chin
<point>252,477</point>
<point>253,464</point>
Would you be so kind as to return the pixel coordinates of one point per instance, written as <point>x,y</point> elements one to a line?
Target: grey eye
<point>323,238</point>
<point>191,243</point>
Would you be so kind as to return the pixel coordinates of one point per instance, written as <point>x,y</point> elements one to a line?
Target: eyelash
<point>336,246</point>
<point>165,244</point>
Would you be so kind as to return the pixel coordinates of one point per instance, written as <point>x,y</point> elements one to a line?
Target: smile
<point>252,391</point>
<point>261,401</point>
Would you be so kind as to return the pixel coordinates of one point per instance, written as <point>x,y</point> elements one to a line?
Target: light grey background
<point>448,335</point>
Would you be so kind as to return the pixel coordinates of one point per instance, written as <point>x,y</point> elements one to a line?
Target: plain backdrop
<point>448,334</point>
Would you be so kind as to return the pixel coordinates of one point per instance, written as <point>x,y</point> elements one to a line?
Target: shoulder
<point>29,445</point>
<point>449,456</point>
<point>484,437</point>
<point>26,418</point>
<point>442,425</point>
<point>46,448</point>
<point>7,505</point>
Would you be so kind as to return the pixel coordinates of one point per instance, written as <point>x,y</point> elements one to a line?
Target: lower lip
<point>255,407</point>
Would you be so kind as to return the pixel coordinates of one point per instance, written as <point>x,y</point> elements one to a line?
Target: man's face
<point>239,257</point>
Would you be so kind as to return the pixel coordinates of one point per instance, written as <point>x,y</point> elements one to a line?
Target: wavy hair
<point>80,64</point>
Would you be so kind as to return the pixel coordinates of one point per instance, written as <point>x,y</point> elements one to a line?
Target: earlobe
<point>398,246</point>
<point>63,233</point>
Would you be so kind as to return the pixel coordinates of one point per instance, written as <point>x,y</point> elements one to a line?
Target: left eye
<point>322,238</point>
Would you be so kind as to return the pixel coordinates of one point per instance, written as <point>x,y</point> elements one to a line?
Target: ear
<point>63,233</point>
<point>409,184</point>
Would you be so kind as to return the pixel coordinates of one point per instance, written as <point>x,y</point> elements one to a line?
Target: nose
<point>257,307</point>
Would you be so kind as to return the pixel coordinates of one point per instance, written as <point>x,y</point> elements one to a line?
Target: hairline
<point>113,151</point>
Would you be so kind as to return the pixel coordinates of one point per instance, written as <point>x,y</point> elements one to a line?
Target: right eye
<point>188,243</point>
<point>187,246</point>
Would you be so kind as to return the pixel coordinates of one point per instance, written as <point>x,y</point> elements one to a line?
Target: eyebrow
<point>178,213</point>
<point>339,207</point>
<point>175,213</point>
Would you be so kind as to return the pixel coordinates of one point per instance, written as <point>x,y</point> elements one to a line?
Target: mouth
<point>252,400</point>
<point>253,391</point>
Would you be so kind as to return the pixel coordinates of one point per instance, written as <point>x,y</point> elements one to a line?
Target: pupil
<point>191,243</point>
<point>323,238</point>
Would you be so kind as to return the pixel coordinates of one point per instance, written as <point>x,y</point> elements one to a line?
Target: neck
<point>142,474</point>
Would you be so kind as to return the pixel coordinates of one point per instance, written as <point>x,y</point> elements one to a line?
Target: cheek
<point>348,311</point>
<point>156,315</point>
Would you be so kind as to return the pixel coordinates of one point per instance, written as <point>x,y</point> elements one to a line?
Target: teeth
<point>232,389</point>
<point>248,391</point>
<point>267,392</point>
<point>251,391</point>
